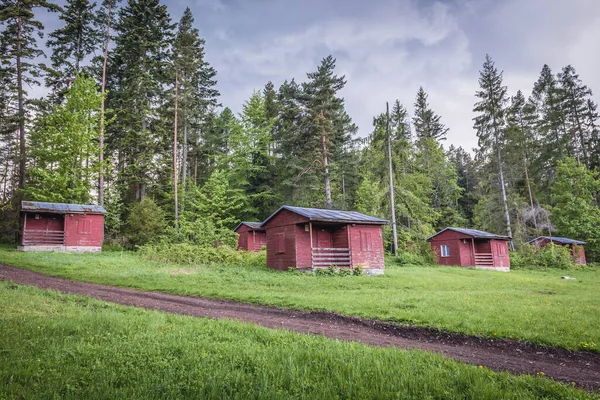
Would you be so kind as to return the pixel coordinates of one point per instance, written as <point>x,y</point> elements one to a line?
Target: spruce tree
<point>139,82</point>
<point>328,126</point>
<point>72,43</point>
<point>574,95</point>
<point>426,123</point>
<point>196,84</point>
<point>490,123</point>
<point>20,67</point>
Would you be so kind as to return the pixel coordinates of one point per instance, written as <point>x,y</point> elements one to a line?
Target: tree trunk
<point>101,158</point>
<point>21,107</point>
<point>392,200</point>
<point>504,201</point>
<point>184,162</point>
<point>175,172</point>
<point>325,164</point>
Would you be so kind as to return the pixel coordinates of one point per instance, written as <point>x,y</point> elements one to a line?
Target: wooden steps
<point>324,257</point>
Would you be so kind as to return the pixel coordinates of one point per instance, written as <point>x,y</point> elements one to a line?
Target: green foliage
<point>145,223</point>
<point>550,256</point>
<point>575,212</point>
<point>190,254</point>
<point>64,148</point>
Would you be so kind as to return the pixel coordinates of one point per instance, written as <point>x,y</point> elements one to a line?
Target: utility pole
<point>101,158</point>
<point>175,154</point>
<point>393,203</point>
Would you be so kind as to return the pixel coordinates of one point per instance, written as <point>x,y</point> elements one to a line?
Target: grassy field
<point>534,306</point>
<point>69,347</point>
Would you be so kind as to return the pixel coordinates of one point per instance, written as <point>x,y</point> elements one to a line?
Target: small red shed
<point>61,227</point>
<point>576,246</point>
<point>251,236</point>
<point>471,248</point>
<point>310,238</point>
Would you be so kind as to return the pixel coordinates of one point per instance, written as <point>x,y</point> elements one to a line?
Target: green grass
<point>533,306</point>
<point>69,347</point>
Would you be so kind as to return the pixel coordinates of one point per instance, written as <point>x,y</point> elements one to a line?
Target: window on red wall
<point>280,243</point>
<point>445,250</point>
<point>84,227</point>
<point>366,242</point>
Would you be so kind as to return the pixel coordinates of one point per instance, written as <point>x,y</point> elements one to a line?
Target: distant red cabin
<point>576,246</point>
<point>310,238</point>
<point>61,227</point>
<point>471,248</point>
<point>251,236</point>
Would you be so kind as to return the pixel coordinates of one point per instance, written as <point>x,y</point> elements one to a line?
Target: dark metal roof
<point>61,208</point>
<point>251,225</point>
<point>323,215</point>
<point>474,233</point>
<point>561,240</point>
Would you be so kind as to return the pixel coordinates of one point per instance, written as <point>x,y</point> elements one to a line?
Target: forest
<point>133,121</point>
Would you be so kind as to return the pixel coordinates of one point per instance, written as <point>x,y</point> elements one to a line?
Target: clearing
<point>530,306</point>
<point>577,367</point>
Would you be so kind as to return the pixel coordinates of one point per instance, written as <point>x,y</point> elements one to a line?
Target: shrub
<point>189,254</point>
<point>550,256</point>
<point>419,253</point>
<point>146,221</point>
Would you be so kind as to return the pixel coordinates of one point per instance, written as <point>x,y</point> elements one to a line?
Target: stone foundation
<point>70,249</point>
<point>501,269</point>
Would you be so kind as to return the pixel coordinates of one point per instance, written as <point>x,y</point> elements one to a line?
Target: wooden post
<point>310,232</point>
<point>24,229</point>
<point>473,251</point>
<point>393,204</point>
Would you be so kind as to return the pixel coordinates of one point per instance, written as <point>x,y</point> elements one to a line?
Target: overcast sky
<point>388,48</point>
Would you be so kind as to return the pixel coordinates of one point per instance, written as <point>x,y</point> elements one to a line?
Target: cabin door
<point>323,238</point>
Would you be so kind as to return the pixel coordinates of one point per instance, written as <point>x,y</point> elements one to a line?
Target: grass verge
<point>64,346</point>
<point>532,306</point>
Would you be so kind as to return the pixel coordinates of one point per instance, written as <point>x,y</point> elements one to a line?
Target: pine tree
<point>574,95</point>
<point>591,122</point>
<point>329,128</point>
<point>546,98</point>
<point>140,78</point>
<point>197,84</point>
<point>18,56</point>
<point>71,44</point>
<point>426,123</point>
<point>490,122</point>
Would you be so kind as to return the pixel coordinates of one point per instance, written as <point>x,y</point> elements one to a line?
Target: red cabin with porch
<point>310,238</point>
<point>471,248</point>
<point>61,227</point>
<point>251,236</point>
<point>575,246</point>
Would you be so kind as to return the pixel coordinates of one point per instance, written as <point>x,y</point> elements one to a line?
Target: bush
<point>146,221</point>
<point>190,254</point>
<point>551,256</point>
<point>419,253</point>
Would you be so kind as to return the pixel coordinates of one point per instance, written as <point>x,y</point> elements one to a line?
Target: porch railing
<point>484,260</point>
<point>324,257</point>
<point>43,237</point>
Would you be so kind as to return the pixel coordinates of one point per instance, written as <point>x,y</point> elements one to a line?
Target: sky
<point>388,48</point>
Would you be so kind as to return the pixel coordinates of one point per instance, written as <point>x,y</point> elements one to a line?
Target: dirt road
<point>498,354</point>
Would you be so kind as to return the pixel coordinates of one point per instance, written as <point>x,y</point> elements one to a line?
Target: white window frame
<point>445,250</point>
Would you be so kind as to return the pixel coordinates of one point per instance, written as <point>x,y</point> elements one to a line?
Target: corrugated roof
<point>324,215</point>
<point>251,225</point>
<point>561,240</point>
<point>477,234</point>
<point>61,208</point>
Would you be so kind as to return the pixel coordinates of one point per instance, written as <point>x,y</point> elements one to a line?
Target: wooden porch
<point>324,257</point>
<point>484,260</point>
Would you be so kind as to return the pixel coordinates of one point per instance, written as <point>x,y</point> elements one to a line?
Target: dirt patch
<point>498,354</point>
<point>180,271</point>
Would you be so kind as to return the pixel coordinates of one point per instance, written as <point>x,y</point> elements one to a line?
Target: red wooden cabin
<point>61,227</point>
<point>310,238</point>
<point>251,236</point>
<point>471,248</point>
<point>576,246</point>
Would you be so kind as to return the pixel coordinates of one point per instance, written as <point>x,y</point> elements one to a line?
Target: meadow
<point>530,306</point>
<point>69,347</point>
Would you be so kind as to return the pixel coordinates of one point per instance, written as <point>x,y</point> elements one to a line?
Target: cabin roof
<point>323,215</point>
<point>477,234</point>
<point>561,240</point>
<point>61,208</point>
<point>251,225</point>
